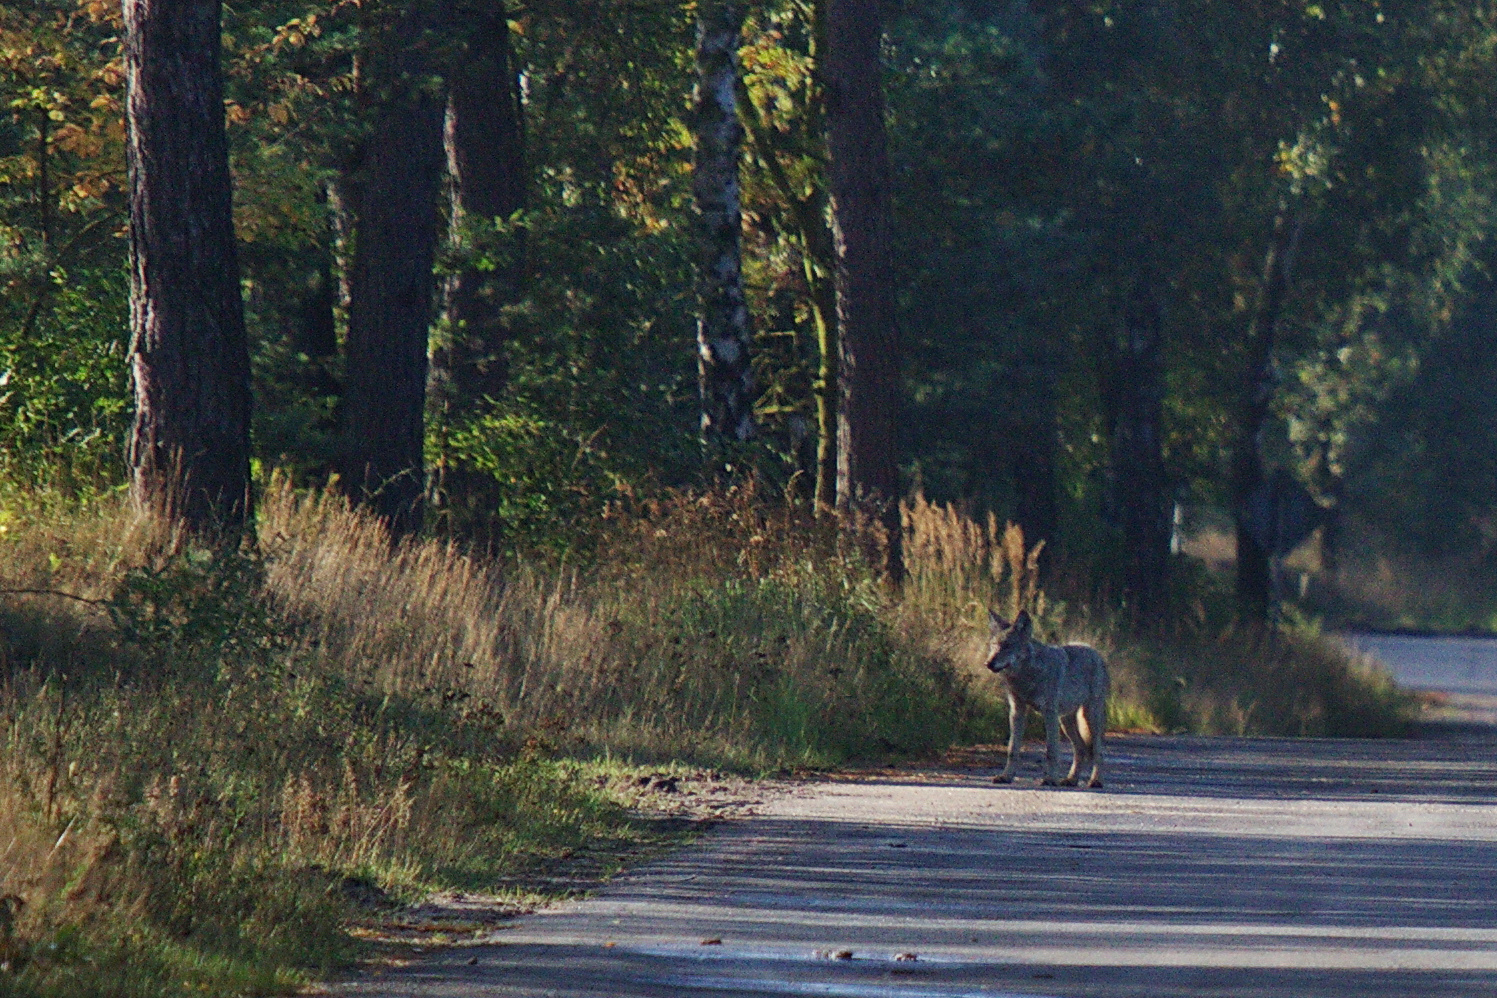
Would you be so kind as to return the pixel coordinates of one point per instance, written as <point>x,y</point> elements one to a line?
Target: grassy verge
<point>1202,671</point>
<point>213,765</point>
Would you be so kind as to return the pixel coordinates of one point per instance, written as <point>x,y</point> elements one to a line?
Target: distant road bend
<point>1210,867</point>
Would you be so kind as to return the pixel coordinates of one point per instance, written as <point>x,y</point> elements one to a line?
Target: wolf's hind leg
<point>1068,727</point>
<point>1052,748</point>
<point>1095,719</point>
<point>1018,713</point>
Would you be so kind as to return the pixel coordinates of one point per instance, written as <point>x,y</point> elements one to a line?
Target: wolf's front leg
<point>1018,713</point>
<point>1052,747</point>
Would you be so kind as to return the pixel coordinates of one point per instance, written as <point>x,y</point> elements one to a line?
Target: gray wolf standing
<point>1067,684</point>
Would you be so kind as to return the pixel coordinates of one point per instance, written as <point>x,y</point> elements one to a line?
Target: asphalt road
<point>1463,670</point>
<point>1208,867</point>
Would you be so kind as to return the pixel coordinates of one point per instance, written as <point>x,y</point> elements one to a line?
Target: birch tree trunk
<point>1141,491</point>
<point>868,345</point>
<point>189,356</point>
<point>723,373</point>
<point>391,294</point>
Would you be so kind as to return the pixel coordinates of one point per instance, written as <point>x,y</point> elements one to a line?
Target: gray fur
<point>1066,684</point>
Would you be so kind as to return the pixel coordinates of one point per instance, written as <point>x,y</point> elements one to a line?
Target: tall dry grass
<point>732,629</point>
<point>721,631</point>
<point>1202,671</point>
<point>190,803</point>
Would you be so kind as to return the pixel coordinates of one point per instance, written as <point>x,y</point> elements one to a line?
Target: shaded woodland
<point>1091,267</point>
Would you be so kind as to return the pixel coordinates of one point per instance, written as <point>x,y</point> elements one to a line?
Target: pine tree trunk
<point>824,390</point>
<point>391,293</point>
<point>189,356</point>
<point>1254,580</point>
<point>868,360</point>
<point>484,137</point>
<point>1034,478</point>
<point>1142,498</point>
<point>723,372</point>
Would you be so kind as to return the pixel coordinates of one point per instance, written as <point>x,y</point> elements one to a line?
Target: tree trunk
<point>723,372</point>
<point>1141,490</point>
<point>343,211</point>
<point>1254,580</point>
<point>484,137</point>
<point>189,357</point>
<point>1034,480</point>
<point>391,291</point>
<point>868,359</point>
<point>824,388</point>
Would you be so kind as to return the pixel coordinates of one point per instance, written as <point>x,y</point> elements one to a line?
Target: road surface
<point>1208,867</point>
<point>1462,669</point>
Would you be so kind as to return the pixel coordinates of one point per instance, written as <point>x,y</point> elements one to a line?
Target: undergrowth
<point>213,760</point>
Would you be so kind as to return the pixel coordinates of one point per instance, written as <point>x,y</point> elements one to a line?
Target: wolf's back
<point>1086,663</point>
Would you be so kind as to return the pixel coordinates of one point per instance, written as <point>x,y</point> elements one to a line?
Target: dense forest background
<point>1136,244</point>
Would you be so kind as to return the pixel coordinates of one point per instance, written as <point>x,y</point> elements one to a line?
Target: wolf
<point>1067,684</point>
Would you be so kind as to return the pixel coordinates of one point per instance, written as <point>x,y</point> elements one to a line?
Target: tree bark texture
<point>868,344</point>
<point>1254,569</point>
<point>1142,501</point>
<point>484,137</point>
<point>189,445</point>
<point>343,211</point>
<point>391,293</point>
<point>723,374</point>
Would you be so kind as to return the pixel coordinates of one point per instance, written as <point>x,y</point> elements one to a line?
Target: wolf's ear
<point>997,623</point>
<point>1023,622</point>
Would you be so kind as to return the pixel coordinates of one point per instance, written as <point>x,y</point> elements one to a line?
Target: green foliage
<point>602,389</point>
<point>62,312</point>
<point>1425,477</point>
<point>64,404</point>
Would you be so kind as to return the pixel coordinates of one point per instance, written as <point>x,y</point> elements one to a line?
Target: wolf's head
<point>1009,643</point>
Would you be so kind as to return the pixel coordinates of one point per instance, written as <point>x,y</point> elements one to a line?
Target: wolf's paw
<point>1069,781</point>
<point>1095,783</point>
<point>1004,778</point>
